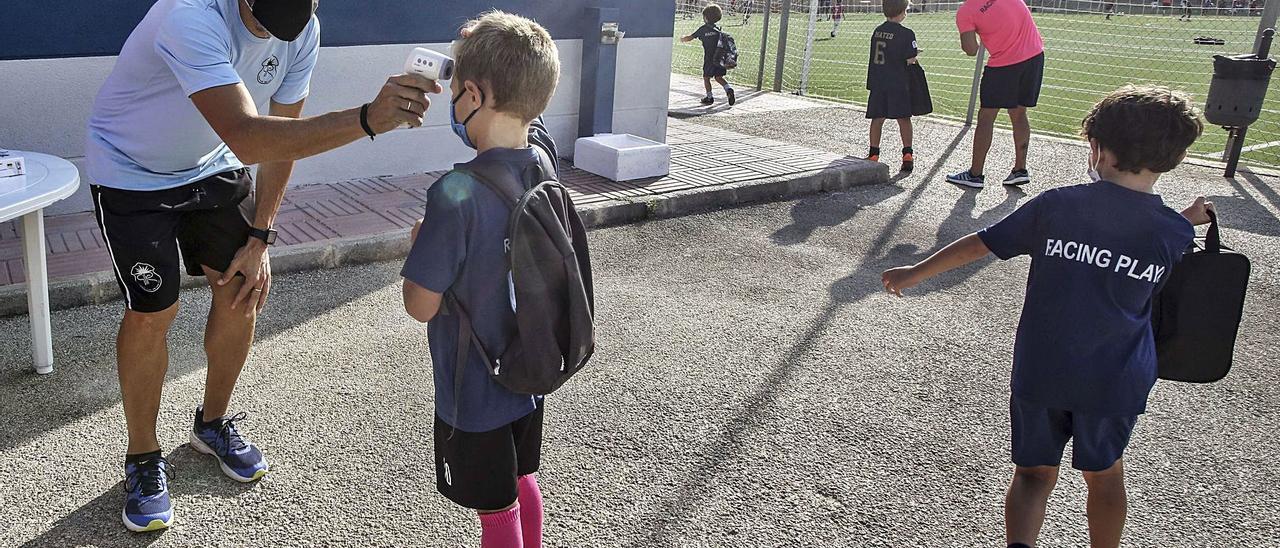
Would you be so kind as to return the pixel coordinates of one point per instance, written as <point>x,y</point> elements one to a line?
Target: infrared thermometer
<point>429,64</point>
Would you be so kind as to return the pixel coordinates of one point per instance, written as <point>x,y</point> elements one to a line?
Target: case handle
<point>1213,238</point>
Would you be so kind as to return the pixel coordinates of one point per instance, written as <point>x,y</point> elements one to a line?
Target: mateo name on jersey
<point>1104,258</point>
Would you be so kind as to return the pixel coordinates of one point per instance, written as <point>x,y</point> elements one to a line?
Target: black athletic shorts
<point>479,470</point>
<point>885,104</point>
<point>1013,86</point>
<point>711,69</point>
<point>206,222</point>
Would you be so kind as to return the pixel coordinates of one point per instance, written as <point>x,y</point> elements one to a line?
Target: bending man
<point>172,130</point>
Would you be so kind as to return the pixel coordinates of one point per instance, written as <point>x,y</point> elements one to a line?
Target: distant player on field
<point>837,15</point>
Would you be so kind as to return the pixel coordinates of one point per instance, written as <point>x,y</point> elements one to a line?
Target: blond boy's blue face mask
<point>460,128</point>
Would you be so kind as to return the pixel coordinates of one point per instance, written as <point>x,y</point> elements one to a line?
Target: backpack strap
<point>489,176</point>
<point>466,338</point>
<point>494,175</point>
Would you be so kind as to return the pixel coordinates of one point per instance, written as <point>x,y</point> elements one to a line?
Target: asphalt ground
<point>753,387</point>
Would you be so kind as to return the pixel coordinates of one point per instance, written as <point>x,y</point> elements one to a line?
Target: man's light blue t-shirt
<point>145,133</point>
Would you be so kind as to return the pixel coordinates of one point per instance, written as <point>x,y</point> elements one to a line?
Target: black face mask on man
<point>284,19</point>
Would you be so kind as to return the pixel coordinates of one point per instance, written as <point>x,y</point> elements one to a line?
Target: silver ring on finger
<point>258,289</point>
<point>408,105</point>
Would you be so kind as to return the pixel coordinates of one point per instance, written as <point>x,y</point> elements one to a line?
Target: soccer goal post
<point>808,47</point>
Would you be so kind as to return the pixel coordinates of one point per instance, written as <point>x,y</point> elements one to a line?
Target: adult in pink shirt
<point>1010,81</point>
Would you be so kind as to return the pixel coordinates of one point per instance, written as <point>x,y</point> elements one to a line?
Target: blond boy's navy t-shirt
<point>1099,252</point>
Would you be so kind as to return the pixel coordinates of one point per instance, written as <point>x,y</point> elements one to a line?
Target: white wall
<point>44,105</point>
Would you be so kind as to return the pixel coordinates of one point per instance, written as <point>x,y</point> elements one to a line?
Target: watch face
<point>271,237</point>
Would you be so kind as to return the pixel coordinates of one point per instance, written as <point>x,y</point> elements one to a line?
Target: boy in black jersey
<point>893,47</point>
<point>709,34</point>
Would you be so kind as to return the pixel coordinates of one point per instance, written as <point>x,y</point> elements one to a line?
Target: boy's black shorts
<point>710,69</point>
<point>206,222</point>
<point>1013,86</point>
<point>479,470</point>
<point>887,104</point>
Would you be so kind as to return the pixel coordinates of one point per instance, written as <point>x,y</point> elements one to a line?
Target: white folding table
<point>48,180</point>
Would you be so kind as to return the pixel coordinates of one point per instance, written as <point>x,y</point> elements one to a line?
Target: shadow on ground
<point>720,454</point>
<point>1246,210</point>
<point>85,526</point>
<point>685,111</point>
<point>84,380</point>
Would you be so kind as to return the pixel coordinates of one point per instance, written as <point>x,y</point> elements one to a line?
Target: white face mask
<point>1094,176</point>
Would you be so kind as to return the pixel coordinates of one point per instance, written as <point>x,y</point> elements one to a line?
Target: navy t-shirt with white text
<point>1099,252</point>
<point>709,35</point>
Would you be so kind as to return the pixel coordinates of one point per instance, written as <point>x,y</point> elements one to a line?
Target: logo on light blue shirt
<point>268,72</point>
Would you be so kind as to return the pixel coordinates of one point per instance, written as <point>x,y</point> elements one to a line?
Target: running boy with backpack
<point>719,53</point>
<point>499,270</point>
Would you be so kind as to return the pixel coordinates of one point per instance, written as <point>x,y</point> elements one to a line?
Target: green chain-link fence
<point>1091,48</point>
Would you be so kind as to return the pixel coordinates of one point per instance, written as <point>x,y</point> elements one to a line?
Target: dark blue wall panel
<point>37,29</point>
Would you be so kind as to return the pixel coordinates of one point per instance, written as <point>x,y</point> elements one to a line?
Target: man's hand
<point>413,234</point>
<point>897,279</point>
<point>1198,211</point>
<point>254,263</point>
<point>402,100</point>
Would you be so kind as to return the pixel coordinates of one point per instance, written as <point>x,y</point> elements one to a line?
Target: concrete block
<point>622,157</point>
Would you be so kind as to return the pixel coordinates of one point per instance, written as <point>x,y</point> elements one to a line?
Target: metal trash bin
<point>1236,93</point>
<point>1238,89</point>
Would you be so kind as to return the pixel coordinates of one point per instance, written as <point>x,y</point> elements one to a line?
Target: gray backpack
<point>551,288</point>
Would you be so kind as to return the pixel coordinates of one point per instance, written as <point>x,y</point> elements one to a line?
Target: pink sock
<point>501,529</point>
<point>530,511</point>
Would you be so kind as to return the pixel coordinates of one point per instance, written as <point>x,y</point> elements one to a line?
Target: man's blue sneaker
<point>964,178</point>
<point>146,503</point>
<point>239,459</point>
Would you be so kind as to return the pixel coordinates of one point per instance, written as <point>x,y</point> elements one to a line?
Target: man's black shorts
<point>206,222</point>
<point>479,470</point>
<point>886,104</point>
<point>1013,86</point>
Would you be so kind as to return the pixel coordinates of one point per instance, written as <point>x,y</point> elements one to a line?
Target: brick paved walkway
<point>701,157</point>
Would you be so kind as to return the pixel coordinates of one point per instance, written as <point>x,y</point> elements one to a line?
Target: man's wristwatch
<point>267,236</point>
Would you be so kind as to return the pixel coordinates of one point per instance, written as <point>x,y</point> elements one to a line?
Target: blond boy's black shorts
<point>480,470</point>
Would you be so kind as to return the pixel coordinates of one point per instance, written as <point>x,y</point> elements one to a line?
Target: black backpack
<point>1196,315</point>
<point>550,283</point>
<point>726,51</point>
<point>918,85</point>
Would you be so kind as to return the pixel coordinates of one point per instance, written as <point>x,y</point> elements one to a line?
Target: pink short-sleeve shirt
<point>1005,27</point>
